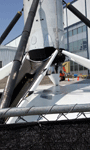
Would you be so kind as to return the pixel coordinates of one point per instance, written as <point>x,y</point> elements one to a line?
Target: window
<point>71,46</point>
<point>84,28</point>
<point>71,68</point>
<point>71,65</point>
<point>75,67</point>
<point>70,33</point>
<point>74,31</point>
<point>80,67</point>
<point>85,68</point>
<point>79,45</point>
<point>84,44</point>
<point>80,30</point>
<point>0,64</point>
<point>66,46</point>
<point>75,46</point>
<point>65,35</point>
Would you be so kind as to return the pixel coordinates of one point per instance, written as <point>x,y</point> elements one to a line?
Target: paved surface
<point>68,92</point>
<point>74,81</point>
<point>3,83</point>
<point>46,80</point>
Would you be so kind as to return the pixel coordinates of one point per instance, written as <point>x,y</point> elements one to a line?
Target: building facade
<point>76,35</point>
<point>7,54</point>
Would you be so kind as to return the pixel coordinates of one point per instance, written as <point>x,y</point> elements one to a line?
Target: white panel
<point>80,5</point>
<point>6,70</point>
<point>15,42</point>
<point>65,23</point>
<point>48,20</point>
<point>7,54</point>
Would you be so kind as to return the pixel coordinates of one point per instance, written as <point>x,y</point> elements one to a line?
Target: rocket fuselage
<point>47,30</point>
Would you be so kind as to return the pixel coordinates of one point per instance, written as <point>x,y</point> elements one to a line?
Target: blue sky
<point>8,9</point>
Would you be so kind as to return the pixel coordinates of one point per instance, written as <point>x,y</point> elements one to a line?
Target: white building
<point>7,54</point>
<point>77,38</point>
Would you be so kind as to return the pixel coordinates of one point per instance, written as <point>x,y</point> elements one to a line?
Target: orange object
<point>61,74</point>
<point>68,79</point>
<point>77,78</point>
<point>64,69</point>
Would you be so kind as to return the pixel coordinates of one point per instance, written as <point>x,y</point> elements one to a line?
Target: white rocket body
<point>47,30</point>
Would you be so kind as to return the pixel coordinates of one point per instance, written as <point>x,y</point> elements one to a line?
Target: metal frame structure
<point>12,112</point>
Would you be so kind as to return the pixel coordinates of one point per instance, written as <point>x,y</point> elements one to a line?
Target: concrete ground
<point>46,80</point>
<point>3,83</point>
<point>75,81</point>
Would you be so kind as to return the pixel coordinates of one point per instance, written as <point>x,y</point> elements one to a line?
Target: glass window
<point>85,68</point>
<point>79,45</point>
<point>70,33</point>
<point>65,35</point>
<point>84,44</point>
<point>84,28</point>
<point>71,65</point>
<point>75,67</point>
<point>71,68</point>
<point>74,31</point>
<point>84,47</point>
<point>71,47</point>
<point>75,46</point>
<point>80,30</point>
<point>65,46</point>
<point>80,67</point>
